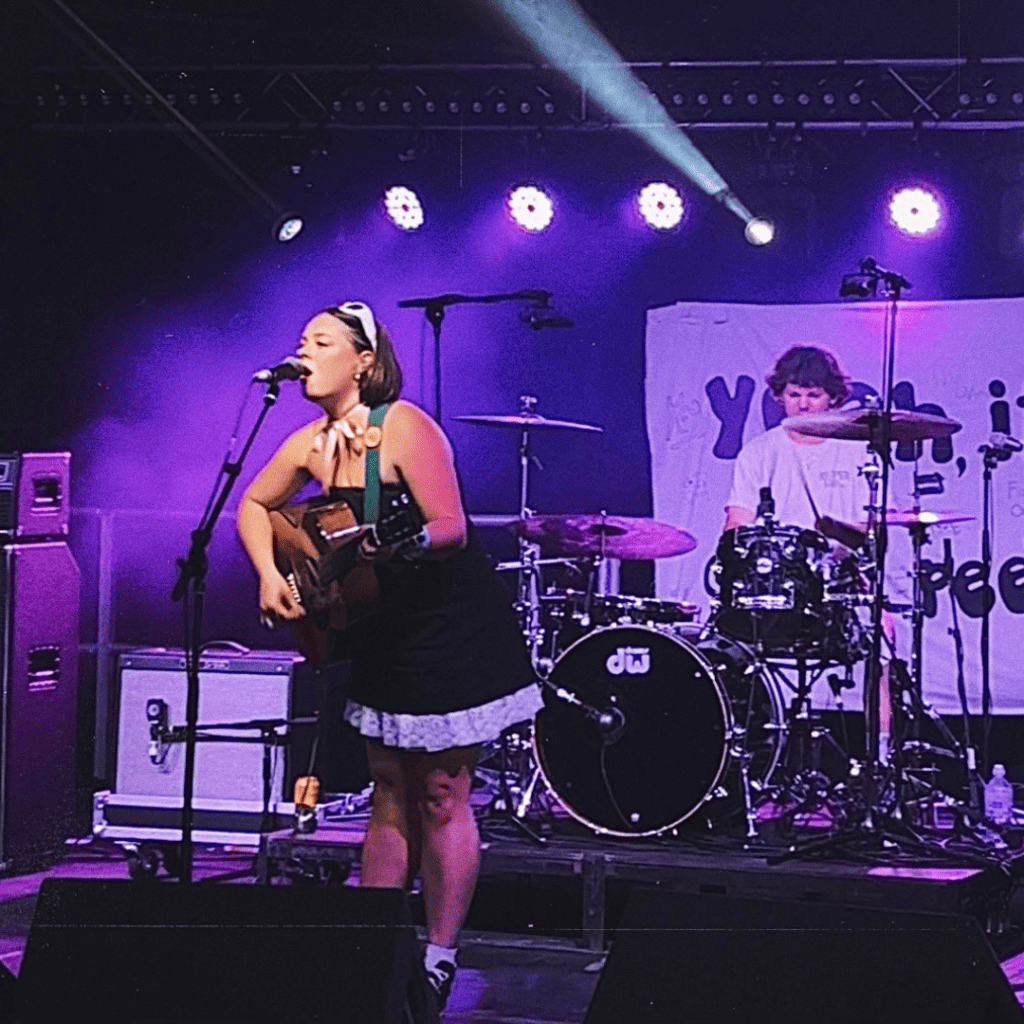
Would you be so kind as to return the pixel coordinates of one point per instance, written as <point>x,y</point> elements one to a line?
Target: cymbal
<point>624,537</point>
<point>858,424</point>
<point>527,421</point>
<point>922,517</point>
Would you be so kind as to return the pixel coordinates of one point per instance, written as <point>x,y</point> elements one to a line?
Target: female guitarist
<point>439,667</point>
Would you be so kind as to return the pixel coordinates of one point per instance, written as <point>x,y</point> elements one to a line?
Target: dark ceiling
<point>385,31</point>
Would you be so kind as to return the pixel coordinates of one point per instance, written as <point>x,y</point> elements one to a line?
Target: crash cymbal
<point>922,517</point>
<point>527,421</point>
<point>624,537</point>
<point>860,424</point>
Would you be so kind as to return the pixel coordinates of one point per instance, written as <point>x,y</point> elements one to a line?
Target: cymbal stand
<point>528,589</point>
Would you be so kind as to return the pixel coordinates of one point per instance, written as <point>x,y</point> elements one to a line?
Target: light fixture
<point>530,208</point>
<point>759,231</point>
<point>287,227</point>
<point>915,211</point>
<point>403,207</point>
<point>661,206</point>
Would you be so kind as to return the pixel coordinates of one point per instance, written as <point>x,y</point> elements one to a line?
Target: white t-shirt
<point>830,471</point>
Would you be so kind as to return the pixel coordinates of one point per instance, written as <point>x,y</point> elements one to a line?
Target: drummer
<point>812,479</point>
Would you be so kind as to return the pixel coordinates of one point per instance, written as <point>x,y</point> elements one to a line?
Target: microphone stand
<point>992,455</point>
<point>864,285</point>
<point>434,309</point>
<point>191,589</point>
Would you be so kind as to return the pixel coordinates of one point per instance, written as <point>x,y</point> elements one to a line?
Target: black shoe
<point>440,981</point>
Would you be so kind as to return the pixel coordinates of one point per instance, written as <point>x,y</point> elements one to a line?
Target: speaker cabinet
<point>39,597</point>
<point>35,495</point>
<point>705,958</point>
<point>173,952</point>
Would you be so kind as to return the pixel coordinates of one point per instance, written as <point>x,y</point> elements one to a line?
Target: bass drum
<point>662,715</point>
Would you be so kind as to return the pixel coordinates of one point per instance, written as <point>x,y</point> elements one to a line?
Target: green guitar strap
<point>371,493</point>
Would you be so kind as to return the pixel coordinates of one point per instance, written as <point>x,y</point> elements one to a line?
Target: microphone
<point>611,723</point>
<point>869,265</point>
<point>541,316</point>
<point>288,369</point>
<point>1004,443</point>
<point>766,506</point>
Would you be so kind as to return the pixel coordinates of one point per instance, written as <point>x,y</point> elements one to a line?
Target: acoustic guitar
<point>316,549</point>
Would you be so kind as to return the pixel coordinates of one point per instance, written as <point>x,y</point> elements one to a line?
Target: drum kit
<point>654,722</point>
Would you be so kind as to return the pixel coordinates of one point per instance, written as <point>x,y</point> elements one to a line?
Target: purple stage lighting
<point>915,211</point>
<point>661,206</point>
<point>403,207</point>
<point>530,208</point>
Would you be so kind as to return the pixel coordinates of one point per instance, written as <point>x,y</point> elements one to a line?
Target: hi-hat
<point>922,517</point>
<point>866,424</point>
<point>527,421</point>
<point>623,537</point>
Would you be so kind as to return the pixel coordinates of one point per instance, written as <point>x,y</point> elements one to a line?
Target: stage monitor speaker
<point>34,495</point>
<point>173,952</point>
<point>39,598</point>
<point>709,959</point>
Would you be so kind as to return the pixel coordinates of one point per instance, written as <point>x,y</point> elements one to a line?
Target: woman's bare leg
<point>391,849</point>
<point>451,842</point>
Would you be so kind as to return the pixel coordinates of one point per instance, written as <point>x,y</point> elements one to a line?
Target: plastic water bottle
<point>998,796</point>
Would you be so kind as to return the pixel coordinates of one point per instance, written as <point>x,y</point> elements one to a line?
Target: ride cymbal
<point>864,425</point>
<point>922,517</point>
<point>624,537</point>
<point>527,421</point>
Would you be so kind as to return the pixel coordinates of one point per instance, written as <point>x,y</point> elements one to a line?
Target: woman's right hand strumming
<point>277,602</point>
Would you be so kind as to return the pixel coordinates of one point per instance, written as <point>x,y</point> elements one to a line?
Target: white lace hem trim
<point>452,729</point>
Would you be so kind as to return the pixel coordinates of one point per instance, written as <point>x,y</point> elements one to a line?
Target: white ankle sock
<point>433,955</point>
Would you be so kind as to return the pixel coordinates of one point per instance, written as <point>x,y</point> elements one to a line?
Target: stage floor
<point>533,952</point>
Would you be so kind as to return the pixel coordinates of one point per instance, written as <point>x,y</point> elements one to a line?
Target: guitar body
<point>316,546</point>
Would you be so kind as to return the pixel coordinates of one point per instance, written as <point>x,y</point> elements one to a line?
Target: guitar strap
<point>371,493</point>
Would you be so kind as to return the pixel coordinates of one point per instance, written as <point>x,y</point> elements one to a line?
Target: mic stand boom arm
<point>434,308</point>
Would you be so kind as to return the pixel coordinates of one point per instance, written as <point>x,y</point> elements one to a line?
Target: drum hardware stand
<point>806,781</point>
<point>504,804</point>
<point>992,454</point>
<point>974,785</point>
<point>744,757</point>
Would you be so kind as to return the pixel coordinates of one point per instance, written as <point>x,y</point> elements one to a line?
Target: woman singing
<point>440,667</point>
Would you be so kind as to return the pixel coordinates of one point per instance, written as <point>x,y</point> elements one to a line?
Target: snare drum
<point>606,609</point>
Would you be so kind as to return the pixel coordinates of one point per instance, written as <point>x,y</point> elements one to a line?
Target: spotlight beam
<point>562,33</point>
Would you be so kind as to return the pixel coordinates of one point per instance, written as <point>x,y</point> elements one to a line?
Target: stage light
<point>287,227</point>
<point>564,36</point>
<point>914,211</point>
<point>530,208</point>
<point>660,205</point>
<point>403,207</point>
<point>759,231</point>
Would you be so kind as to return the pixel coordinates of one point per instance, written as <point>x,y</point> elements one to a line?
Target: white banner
<point>706,396</point>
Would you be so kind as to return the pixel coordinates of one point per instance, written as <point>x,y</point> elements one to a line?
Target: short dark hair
<point>383,381</point>
<point>807,366</point>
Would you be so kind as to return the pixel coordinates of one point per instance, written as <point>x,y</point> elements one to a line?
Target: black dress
<point>441,662</point>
